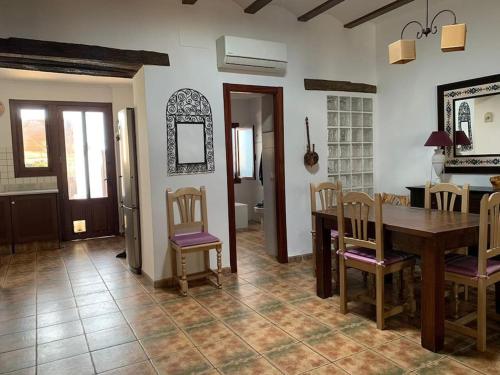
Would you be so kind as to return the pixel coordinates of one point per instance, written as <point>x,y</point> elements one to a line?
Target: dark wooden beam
<point>324,85</point>
<point>319,10</point>
<point>75,58</point>
<point>189,2</point>
<point>256,6</point>
<point>377,13</point>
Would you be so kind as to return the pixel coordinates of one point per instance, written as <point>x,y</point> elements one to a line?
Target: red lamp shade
<point>461,138</point>
<point>439,139</point>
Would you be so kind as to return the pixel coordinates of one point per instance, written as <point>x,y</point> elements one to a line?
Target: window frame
<point>20,169</point>
<point>237,178</point>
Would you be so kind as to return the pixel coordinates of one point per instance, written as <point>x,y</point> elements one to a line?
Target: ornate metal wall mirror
<point>190,147</point>
<point>469,111</point>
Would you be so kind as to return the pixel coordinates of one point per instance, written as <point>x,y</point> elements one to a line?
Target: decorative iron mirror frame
<point>446,96</point>
<point>188,106</point>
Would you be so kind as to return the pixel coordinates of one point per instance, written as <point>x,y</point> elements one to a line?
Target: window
<point>243,153</point>
<point>30,139</point>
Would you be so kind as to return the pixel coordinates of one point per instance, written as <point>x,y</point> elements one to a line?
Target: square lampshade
<point>439,139</point>
<point>453,37</point>
<point>402,52</point>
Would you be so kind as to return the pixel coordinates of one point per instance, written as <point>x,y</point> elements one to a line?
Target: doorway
<point>236,134</point>
<point>87,183</point>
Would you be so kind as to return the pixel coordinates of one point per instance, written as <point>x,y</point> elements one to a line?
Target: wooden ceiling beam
<point>377,13</point>
<point>325,85</point>
<point>256,6</point>
<point>189,2</point>
<point>320,9</point>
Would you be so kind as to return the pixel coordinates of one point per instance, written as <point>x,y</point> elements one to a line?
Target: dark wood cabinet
<point>26,219</point>
<point>5,225</point>
<point>417,197</point>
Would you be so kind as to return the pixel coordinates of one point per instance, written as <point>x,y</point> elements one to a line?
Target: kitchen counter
<point>28,192</point>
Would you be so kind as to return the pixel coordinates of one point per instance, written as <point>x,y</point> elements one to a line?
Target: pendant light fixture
<point>453,38</point>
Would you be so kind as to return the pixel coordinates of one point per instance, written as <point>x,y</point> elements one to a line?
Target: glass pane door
<point>85,143</point>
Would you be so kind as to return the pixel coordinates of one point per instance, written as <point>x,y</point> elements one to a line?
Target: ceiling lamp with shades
<point>453,38</point>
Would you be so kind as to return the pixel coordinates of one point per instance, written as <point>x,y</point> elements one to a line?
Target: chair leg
<point>343,285</point>
<point>183,281</point>
<point>173,261</point>
<point>379,282</point>
<point>456,300</point>
<point>411,291</point>
<point>335,263</point>
<point>314,255</point>
<point>481,316</point>
<point>219,267</point>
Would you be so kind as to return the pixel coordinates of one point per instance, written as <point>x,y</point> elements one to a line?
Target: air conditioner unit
<point>234,53</point>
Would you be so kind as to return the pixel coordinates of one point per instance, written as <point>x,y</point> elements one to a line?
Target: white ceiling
<point>345,12</point>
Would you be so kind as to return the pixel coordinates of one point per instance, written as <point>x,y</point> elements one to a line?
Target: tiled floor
<point>79,311</point>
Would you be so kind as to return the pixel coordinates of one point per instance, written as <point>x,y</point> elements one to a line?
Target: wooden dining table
<point>426,233</point>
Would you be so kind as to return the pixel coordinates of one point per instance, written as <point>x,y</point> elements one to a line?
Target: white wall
<point>318,49</point>
<point>407,103</point>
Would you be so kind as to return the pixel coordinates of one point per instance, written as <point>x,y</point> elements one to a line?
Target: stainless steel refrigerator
<point>129,188</point>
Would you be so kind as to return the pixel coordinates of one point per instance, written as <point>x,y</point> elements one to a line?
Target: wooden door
<point>34,218</point>
<point>87,181</point>
<point>5,226</point>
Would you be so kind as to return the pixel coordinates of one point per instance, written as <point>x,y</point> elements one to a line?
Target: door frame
<point>61,180</point>
<point>279,167</point>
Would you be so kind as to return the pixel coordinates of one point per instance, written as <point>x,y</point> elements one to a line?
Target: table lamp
<point>439,139</point>
<point>461,139</point>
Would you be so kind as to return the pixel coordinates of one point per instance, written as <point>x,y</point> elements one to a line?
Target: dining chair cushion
<point>334,234</point>
<point>368,255</point>
<point>193,239</point>
<point>467,266</point>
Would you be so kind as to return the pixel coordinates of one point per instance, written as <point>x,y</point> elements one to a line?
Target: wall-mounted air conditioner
<point>234,53</point>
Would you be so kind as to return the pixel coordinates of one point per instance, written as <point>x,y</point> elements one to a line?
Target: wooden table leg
<point>323,259</point>
<point>433,303</point>
<point>497,297</point>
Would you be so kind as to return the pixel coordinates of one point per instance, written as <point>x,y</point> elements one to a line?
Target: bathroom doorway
<point>255,175</point>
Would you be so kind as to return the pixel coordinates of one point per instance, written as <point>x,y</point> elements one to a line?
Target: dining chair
<point>478,272</point>
<point>396,200</point>
<point>446,196</point>
<point>190,234</point>
<point>360,251</point>
<point>326,193</point>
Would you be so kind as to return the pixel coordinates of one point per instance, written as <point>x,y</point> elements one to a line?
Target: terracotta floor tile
<point>118,356</point>
<point>110,337</point>
<point>205,333</point>
<point>61,349</point>
<point>18,340</point>
<point>17,359</point>
<point>368,363</point>
<point>336,320</point>
<point>143,313</point>
<point>304,328</point>
<point>197,315</point>
<point>143,368</point>
<point>295,359</point>
<point>152,327</point>
<point>227,351</point>
<point>170,342</point>
<point>48,307</point>
<point>251,366</point>
<point>247,323</point>
<point>57,317</point>
<point>186,362</point>
<point>334,345</point>
<point>81,290</point>
<point>134,301</point>
<point>80,364</point>
<point>24,371</point>
<point>17,325</point>
<point>97,309</point>
<point>487,362</point>
<point>406,354</point>
<point>59,332</point>
<point>127,292</point>
<point>445,366</point>
<point>16,311</point>
<point>89,299</point>
<point>327,370</point>
<point>368,335</point>
<point>104,321</point>
<point>267,339</point>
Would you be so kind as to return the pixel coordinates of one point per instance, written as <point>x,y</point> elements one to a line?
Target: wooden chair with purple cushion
<point>446,195</point>
<point>190,234</point>
<point>359,251</point>
<point>478,272</point>
<point>326,192</point>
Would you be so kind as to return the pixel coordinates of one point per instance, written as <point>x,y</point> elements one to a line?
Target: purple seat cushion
<point>193,239</point>
<point>334,234</point>
<point>368,255</point>
<point>467,266</point>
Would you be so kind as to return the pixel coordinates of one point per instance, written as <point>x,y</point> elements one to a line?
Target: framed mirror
<point>189,134</point>
<point>469,111</point>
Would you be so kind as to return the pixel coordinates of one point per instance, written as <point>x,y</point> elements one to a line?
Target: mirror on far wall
<point>479,119</point>
<point>469,112</point>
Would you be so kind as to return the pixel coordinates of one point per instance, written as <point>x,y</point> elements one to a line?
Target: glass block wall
<point>350,142</point>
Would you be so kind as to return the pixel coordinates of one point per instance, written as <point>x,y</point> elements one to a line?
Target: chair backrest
<point>190,218</point>
<point>357,207</point>
<point>396,200</point>
<point>446,195</point>
<point>489,230</point>
<point>327,194</point>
